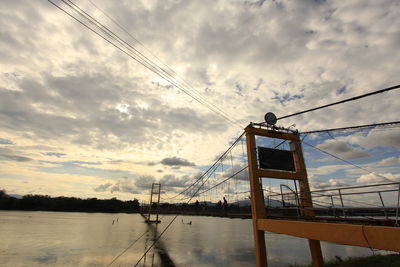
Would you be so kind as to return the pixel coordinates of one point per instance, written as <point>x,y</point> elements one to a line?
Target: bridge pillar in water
<point>256,173</point>
<point>154,203</point>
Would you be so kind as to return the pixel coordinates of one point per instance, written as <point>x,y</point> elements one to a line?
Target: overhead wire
<point>199,98</point>
<point>138,56</point>
<point>130,245</point>
<point>343,101</point>
<point>382,124</point>
<point>348,162</point>
<point>170,223</point>
<point>153,67</point>
<point>213,166</point>
<point>152,54</point>
<point>234,174</point>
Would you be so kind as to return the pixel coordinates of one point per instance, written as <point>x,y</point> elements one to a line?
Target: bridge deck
<point>347,233</point>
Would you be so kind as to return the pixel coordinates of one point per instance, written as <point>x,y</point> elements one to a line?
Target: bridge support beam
<point>370,236</point>
<point>257,193</point>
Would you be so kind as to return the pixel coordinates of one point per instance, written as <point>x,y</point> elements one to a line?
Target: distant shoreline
<point>67,204</point>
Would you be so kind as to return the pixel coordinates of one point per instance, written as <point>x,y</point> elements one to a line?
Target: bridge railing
<point>375,201</point>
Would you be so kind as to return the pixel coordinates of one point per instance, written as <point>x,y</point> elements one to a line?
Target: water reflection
<point>90,239</point>
<point>159,248</point>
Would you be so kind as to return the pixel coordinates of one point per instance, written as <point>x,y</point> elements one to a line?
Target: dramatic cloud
<point>343,150</point>
<point>75,105</point>
<point>174,161</point>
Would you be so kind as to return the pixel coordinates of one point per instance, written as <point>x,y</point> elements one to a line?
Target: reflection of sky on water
<point>90,239</point>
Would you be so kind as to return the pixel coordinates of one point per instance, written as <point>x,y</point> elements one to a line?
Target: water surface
<point>92,239</point>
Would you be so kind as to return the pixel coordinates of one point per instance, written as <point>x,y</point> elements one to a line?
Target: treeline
<point>47,203</point>
<point>200,208</point>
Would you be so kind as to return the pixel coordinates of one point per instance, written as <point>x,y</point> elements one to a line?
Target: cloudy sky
<point>80,118</point>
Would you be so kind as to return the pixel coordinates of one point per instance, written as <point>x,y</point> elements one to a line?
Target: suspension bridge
<point>263,176</point>
<point>362,215</point>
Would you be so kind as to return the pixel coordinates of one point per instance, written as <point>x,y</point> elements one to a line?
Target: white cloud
<point>81,97</point>
<point>330,183</point>
<point>390,161</point>
<point>378,178</point>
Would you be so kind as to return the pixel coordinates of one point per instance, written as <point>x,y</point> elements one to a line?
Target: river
<point>96,239</point>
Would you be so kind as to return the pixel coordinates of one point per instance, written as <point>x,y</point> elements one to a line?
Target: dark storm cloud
<point>174,161</point>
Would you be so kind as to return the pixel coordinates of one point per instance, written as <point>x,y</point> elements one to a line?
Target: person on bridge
<point>225,206</point>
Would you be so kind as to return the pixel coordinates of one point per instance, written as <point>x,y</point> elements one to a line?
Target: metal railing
<point>343,202</point>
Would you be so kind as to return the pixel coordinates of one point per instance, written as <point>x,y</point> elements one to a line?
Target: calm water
<point>90,239</point>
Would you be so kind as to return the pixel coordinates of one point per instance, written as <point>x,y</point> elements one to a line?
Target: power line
<point>233,175</point>
<point>166,228</point>
<point>343,101</point>
<point>199,98</point>
<point>223,181</point>
<point>214,165</point>
<point>353,127</point>
<point>127,248</point>
<point>158,59</point>
<point>138,56</point>
<point>348,162</point>
<point>153,66</point>
<point>193,195</point>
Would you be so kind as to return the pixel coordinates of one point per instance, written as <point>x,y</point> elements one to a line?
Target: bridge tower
<point>262,164</point>
<point>154,203</point>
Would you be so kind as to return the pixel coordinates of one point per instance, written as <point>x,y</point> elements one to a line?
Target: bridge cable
<point>342,101</point>
<point>233,175</point>
<point>214,165</point>
<point>112,35</point>
<point>193,195</point>
<point>348,162</point>
<point>166,228</point>
<point>158,59</point>
<point>392,123</point>
<point>127,248</point>
<point>138,56</point>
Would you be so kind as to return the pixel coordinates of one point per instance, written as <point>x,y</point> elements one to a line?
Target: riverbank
<point>391,260</point>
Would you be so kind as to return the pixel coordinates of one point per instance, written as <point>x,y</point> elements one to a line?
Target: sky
<point>80,118</point>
